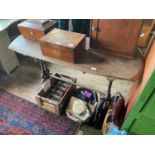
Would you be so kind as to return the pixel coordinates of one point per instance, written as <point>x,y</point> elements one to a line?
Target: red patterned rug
<point>19,116</point>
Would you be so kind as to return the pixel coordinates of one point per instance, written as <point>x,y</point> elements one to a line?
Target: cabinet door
<point>141,119</point>
<point>117,36</point>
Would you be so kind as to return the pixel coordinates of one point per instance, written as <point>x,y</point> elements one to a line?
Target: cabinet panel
<point>144,125</point>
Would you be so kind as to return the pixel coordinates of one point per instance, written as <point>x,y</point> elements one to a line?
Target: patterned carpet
<point>19,116</point>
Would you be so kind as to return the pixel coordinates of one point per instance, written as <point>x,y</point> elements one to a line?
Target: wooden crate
<point>63,45</point>
<point>51,105</point>
<point>34,29</point>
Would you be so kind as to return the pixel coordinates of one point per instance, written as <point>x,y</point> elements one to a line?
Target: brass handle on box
<point>31,33</point>
<point>95,29</point>
<point>57,53</point>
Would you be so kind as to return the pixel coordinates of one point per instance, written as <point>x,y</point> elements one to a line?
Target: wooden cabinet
<point>147,27</point>
<point>115,36</point>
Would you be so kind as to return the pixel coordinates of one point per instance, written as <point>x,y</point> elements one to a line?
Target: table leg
<point>109,87</point>
<point>45,71</point>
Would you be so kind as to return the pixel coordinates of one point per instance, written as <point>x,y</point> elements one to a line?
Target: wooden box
<point>63,45</point>
<point>55,98</point>
<point>34,29</point>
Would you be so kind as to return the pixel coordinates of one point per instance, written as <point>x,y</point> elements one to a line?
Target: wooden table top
<point>91,62</point>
